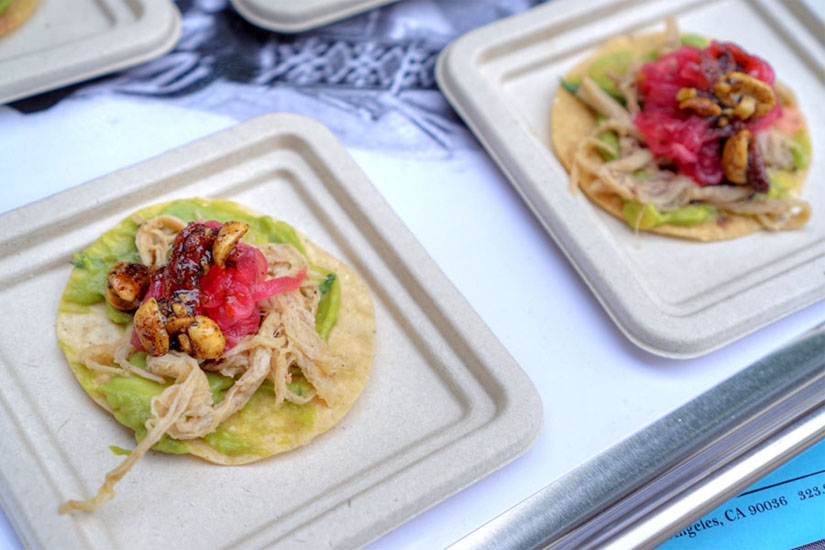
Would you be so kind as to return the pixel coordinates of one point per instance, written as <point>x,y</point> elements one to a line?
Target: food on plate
<point>14,12</point>
<point>684,136</point>
<point>211,330</point>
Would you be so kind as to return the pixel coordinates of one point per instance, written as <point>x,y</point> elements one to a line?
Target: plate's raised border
<point>523,159</point>
<point>154,32</point>
<point>452,465</point>
<point>289,16</point>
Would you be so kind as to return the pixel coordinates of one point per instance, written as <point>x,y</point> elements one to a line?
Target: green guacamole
<point>601,70</point>
<point>610,65</point>
<point>647,216</point>
<point>130,397</point>
<point>802,149</point>
<point>695,40</point>
<point>4,5</point>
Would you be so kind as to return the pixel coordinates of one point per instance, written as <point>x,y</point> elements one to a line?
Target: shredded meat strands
<point>101,358</point>
<point>182,396</point>
<point>286,340</point>
<point>662,188</point>
<point>590,93</point>
<point>154,238</point>
<point>672,37</point>
<point>668,191</point>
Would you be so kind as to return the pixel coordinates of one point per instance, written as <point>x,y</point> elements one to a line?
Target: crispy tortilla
<point>260,428</point>
<point>15,14</point>
<point>572,121</point>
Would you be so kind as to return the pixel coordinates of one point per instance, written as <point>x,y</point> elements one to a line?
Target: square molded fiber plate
<point>301,15</point>
<point>444,405</point>
<point>68,42</point>
<point>672,297</point>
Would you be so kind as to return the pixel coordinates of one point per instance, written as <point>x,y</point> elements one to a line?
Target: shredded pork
<point>285,343</point>
<point>776,149</point>
<point>637,175</point>
<point>598,99</point>
<point>154,238</point>
<point>673,38</point>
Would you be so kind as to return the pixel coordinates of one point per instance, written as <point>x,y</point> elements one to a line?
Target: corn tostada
<point>14,12</point>
<point>212,330</point>
<point>683,136</point>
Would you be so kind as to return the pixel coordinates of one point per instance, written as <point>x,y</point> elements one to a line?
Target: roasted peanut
<point>748,96</point>
<point>227,238</point>
<point>126,283</point>
<point>207,340</point>
<point>185,344</point>
<point>701,106</point>
<point>745,108</point>
<point>179,319</point>
<point>176,325</point>
<point>150,327</point>
<point>686,93</point>
<point>735,157</point>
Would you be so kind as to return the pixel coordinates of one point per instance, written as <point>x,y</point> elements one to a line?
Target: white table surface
<point>596,386</point>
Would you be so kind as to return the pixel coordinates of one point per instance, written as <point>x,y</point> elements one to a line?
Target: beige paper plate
<point>444,405</point>
<point>672,297</point>
<point>300,15</point>
<point>65,42</point>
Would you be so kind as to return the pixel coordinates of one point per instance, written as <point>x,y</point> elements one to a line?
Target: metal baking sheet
<point>291,16</point>
<point>68,42</point>
<point>643,490</point>
<point>444,406</point>
<point>672,297</point>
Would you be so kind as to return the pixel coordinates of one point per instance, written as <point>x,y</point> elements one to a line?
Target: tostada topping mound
<point>685,137</point>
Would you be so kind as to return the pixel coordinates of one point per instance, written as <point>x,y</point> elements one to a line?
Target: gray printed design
<point>370,78</point>
<point>348,64</point>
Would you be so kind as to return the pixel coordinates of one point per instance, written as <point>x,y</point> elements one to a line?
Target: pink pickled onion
<point>230,295</point>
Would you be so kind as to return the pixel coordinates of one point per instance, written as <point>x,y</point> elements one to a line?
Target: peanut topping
<point>176,325</point>
<point>227,238</point>
<point>686,93</point>
<point>701,106</point>
<point>150,327</point>
<point>745,108</point>
<point>206,338</point>
<point>735,156</point>
<point>747,95</point>
<point>126,283</point>
<point>170,321</point>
